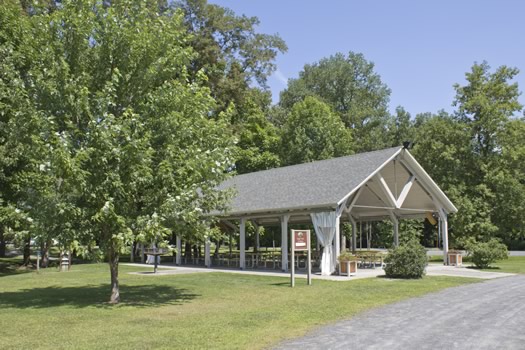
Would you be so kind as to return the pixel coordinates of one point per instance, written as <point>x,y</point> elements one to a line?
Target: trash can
<point>64,263</point>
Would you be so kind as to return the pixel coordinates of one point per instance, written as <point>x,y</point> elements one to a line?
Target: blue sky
<point>420,48</point>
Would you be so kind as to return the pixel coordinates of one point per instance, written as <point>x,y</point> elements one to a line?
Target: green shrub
<point>346,256</point>
<point>485,253</point>
<point>406,261</point>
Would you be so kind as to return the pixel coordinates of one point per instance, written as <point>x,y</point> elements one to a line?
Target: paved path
<point>432,270</point>
<point>487,315</point>
<point>436,252</point>
<point>166,269</point>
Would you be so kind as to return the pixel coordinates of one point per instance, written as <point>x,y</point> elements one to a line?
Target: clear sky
<point>420,48</point>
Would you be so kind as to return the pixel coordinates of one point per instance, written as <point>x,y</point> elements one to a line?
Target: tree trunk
<point>45,254</point>
<point>187,250</point>
<point>113,268</point>
<point>60,256</point>
<point>196,252</point>
<point>27,252</point>
<point>70,259</point>
<point>217,247</point>
<point>2,242</point>
<point>132,253</point>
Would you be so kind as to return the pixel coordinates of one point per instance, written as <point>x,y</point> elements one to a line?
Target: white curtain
<point>325,227</point>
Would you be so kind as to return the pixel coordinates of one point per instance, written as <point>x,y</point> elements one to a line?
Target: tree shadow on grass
<point>9,267</point>
<point>95,296</point>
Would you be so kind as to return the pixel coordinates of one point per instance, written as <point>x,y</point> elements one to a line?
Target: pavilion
<point>386,184</point>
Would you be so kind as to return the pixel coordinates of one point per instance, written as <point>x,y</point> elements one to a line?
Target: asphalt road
<point>486,315</point>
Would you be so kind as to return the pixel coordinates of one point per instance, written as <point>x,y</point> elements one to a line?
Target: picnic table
<point>370,258</point>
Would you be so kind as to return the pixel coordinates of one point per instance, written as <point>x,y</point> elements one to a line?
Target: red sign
<point>301,239</point>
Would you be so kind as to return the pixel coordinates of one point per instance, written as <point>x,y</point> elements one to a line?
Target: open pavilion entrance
<point>381,185</point>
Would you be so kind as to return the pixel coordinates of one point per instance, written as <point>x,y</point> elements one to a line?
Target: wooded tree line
<point>119,118</point>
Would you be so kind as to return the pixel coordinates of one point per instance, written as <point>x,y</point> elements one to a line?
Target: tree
<point>401,127</point>
<point>507,177</point>
<point>131,146</point>
<point>237,60</point>
<point>472,155</point>
<point>487,102</point>
<point>313,132</point>
<point>349,85</point>
<point>232,54</point>
<point>444,149</point>
<point>258,143</point>
<point>18,118</point>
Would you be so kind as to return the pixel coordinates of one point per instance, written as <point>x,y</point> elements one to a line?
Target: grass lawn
<point>207,310</point>
<point>514,264</point>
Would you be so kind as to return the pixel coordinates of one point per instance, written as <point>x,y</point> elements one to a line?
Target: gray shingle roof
<point>317,184</point>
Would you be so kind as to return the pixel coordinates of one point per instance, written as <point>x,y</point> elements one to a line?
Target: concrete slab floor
<point>432,270</point>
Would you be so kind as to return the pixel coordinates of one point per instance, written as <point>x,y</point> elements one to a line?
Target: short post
<point>300,240</point>
<point>292,275</point>
<point>156,261</point>
<point>309,263</point>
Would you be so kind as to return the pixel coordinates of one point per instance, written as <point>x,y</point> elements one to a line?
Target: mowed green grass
<point>514,264</point>
<point>195,311</point>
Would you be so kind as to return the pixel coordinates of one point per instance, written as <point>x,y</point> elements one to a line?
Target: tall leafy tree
<point>351,87</point>
<point>401,127</point>
<point>18,117</point>
<point>507,180</point>
<point>444,149</point>
<point>258,144</point>
<point>471,154</point>
<point>487,102</point>
<point>313,132</point>
<point>131,148</point>
<point>237,60</point>
<point>230,50</point>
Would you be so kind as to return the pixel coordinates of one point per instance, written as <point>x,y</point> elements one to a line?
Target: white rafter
<point>404,193</point>
<point>391,200</point>
<point>348,209</point>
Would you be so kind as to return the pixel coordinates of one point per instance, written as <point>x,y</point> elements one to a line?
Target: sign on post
<point>301,242</point>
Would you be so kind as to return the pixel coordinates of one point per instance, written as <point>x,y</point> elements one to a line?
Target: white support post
<point>257,244</point>
<point>179,251</point>
<point>242,232</point>
<point>395,221</point>
<point>284,242</point>
<point>337,247</point>
<point>207,257</point>
<point>444,232</point>
<point>439,232</point>
<point>354,233</point>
